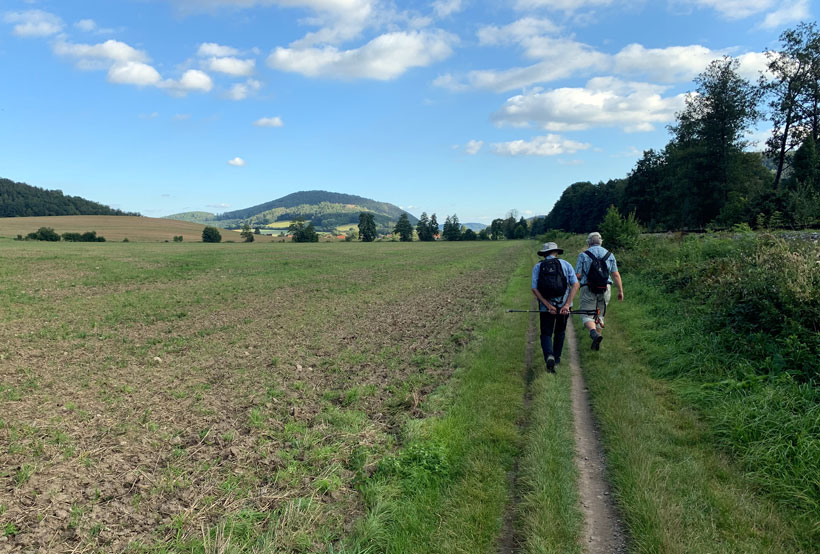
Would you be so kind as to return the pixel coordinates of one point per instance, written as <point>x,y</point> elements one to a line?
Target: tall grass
<point>734,321</point>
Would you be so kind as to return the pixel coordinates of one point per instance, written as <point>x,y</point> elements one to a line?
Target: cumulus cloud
<point>789,12</point>
<point>192,80</point>
<point>99,56</point>
<point>547,145</point>
<point>385,57</point>
<point>34,23</point>
<point>212,49</point>
<point>604,102</point>
<point>566,6</point>
<point>237,162</point>
<point>518,32</point>
<point>275,121</point>
<point>443,8</point>
<point>134,73</point>
<point>240,91</point>
<point>473,146</point>
<point>232,66</point>
<point>737,9</point>
<point>667,65</point>
<point>86,25</point>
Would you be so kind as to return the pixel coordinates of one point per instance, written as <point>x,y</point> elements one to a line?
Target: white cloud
<point>192,80</point>
<point>34,23</point>
<point>86,25</point>
<point>518,32</point>
<point>567,6</point>
<point>133,73</point>
<point>236,162</point>
<point>182,117</point>
<point>212,49</point>
<point>737,9</point>
<point>232,66</point>
<point>99,56</point>
<point>548,145</point>
<point>473,146</point>
<point>385,57</point>
<point>605,101</point>
<point>789,12</point>
<point>220,206</point>
<point>240,91</point>
<point>152,115</point>
<point>443,8</point>
<point>667,65</point>
<point>275,121</point>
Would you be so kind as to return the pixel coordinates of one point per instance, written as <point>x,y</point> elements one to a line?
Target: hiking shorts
<point>590,301</point>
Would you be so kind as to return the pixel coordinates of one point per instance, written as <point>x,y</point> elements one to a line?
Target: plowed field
<point>184,397</point>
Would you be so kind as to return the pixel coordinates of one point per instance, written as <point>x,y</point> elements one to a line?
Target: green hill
<point>327,211</point>
<point>22,200</point>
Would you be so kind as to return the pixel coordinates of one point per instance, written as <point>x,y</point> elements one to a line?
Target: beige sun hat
<point>550,247</point>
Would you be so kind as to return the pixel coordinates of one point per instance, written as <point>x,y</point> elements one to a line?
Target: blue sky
<point>449,106</point>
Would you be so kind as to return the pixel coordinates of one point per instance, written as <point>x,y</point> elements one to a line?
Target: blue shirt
<point>584,262</point>
<point>571,280</point>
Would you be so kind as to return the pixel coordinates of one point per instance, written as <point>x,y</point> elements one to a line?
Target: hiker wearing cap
<point>554,284</point>
<point>596,270</point>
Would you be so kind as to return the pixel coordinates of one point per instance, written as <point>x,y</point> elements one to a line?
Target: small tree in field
<point>404,229</point>
<point>303,232</point>
<point>246,233</point>
<point>619,232</point>
<point>367,227</point>
<point>211,234</point>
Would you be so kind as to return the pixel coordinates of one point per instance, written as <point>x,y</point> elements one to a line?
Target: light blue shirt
<point>571,280</point>
<point>584,262</point>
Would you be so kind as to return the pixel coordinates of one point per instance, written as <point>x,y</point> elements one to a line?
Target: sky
<point>446,106</point>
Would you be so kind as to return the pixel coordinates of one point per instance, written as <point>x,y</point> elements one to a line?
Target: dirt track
<point>603,530</point>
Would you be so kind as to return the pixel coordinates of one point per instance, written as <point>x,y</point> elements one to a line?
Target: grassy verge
<point>677,492</point>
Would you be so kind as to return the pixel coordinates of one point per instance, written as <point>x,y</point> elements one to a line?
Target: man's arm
<point>616,276</point>
<point>552,309</point>
<point>572,292</point>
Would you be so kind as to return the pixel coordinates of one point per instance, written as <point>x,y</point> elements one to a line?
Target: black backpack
<point>552,282</point>
<point>598,275</point>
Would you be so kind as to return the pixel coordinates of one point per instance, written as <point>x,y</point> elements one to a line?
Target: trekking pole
<point>572,312</point>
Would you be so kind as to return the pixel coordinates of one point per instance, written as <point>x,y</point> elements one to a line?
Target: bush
<point>211,234</point>
<point>178,238</point>
<point>618,232</point>
<point>44,233</point>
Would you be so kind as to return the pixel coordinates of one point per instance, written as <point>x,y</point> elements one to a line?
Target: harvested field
<point>114,228</point>
<point>177,399</point>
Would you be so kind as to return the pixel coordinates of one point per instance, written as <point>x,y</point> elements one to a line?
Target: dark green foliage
<point>88,236</point>
<point>44,233</point>
<point>582,206</point>
<point>367,227</point>
<point>469,234</point>
<point>211,234</point>
<point>434,228</point>
<point>452,228</point>
<point>246,233</point>
<point>303,232</point>
<point>404,229</point>
<point>484,234</point>
<point>22,200</point>
<point>619,232</point>
<point>178,238</point>
<point>423,229</point>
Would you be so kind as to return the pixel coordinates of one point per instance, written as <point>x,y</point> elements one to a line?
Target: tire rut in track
<point>603,529</point>
<point>510,539</point>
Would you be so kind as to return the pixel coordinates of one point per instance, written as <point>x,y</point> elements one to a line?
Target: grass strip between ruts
<point>447,490</point>
<point>549,514</point>
<point>675,489</point>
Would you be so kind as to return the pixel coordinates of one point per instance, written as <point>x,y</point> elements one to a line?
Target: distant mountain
<point>22,200</point>
<point>327,211</point>
<point>474,226</point>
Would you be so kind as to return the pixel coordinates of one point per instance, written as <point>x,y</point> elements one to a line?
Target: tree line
<point>706,176</point>
<point>22,200</point>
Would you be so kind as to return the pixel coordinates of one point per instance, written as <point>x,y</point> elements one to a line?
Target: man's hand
<point>620,295</point>
<point>565,309</point>
<point>552,309</point>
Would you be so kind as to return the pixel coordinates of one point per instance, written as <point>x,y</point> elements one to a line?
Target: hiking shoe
<point>596,341</point>
<point>551,363</point>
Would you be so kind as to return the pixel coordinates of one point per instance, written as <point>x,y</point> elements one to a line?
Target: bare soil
<point>603,530</point>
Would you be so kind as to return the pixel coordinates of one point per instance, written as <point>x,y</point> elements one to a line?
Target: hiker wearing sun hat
<point>554,284</point>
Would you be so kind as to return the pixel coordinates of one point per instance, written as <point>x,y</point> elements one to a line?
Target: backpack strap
<point>591,255</point>
<point>606,256</point>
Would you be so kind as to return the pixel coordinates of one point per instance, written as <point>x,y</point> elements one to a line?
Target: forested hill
<point>22,200</point>
<point>327,211</point>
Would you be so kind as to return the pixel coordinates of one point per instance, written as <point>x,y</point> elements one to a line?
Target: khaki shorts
<point>590,301</point>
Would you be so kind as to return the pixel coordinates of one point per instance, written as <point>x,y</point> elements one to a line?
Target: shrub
<point>177,238</point>
<point>211,234</point>
<point>619,232</point>
<point>44,233</point>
